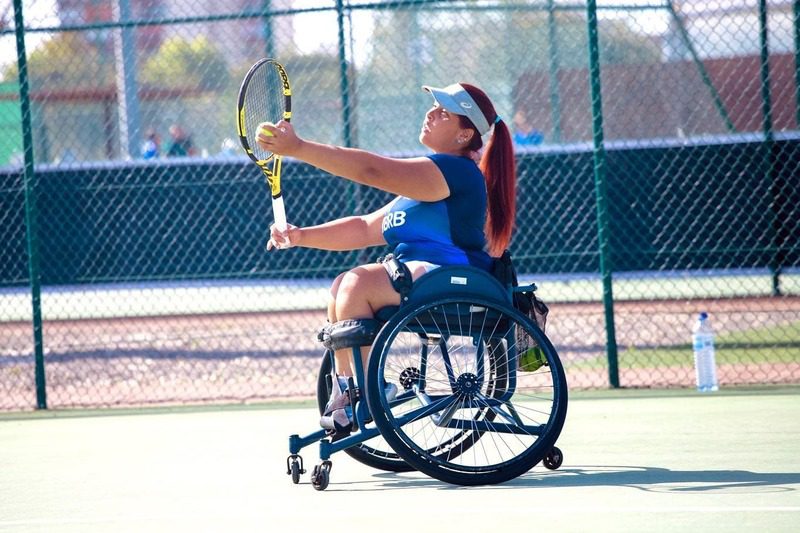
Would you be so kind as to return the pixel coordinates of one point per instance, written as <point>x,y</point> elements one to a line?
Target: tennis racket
<point>265,96</point>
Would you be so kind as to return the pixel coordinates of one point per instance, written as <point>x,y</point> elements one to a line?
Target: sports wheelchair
<point>482,394</point>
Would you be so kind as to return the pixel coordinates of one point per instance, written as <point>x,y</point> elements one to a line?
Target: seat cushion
<point>385,313</point>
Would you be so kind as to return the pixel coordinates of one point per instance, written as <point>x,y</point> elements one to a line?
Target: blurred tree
<point>67,61</point>
<point>182,63</point>
<point>314,74</point>
<point>317,94</point>
<point>514,40</point>
<point>492,48</point>
<point>529,42</point>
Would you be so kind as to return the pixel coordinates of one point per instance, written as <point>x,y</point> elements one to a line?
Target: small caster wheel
<point>553,459</point>
<point>321,475</point>
<point>294,467</point>
<point>295,472</point>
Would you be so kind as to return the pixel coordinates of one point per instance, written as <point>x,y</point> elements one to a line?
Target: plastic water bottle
<point>705,365</point>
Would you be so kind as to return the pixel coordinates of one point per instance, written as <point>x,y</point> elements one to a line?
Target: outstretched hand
<point>278,138</point>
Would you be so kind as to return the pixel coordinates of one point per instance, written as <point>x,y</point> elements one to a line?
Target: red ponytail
<point>499,168</point>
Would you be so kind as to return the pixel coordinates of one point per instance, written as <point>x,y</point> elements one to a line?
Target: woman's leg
<point>332,298</point>
<point>359,293</point>
<point>356,294</point>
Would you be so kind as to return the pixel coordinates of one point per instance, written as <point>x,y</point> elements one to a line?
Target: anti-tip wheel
<point>295,472</point>
<point>294,467</point>
<point>553,459</point>
<point>321,476</point>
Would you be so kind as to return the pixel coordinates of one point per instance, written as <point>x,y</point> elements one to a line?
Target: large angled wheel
<point>467,416</point>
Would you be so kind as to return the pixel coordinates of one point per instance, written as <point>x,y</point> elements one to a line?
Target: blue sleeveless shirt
<point>445,232</point>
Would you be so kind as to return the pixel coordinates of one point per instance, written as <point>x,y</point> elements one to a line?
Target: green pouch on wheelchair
<point>530,356</point>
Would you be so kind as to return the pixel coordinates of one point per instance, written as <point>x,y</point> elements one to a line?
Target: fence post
<point>797,61</point>
<point>127,86</point>
<point>601,193</point>
<point>767,150</point>
<point>553,66</point>
<point>29,177</point>
<point>344,79</point>
<point>269,34</point>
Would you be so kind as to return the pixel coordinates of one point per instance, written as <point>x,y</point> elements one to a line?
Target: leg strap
<point>349,333</point>
<point>399,275</point>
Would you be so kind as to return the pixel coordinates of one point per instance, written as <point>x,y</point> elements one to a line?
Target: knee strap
<point>349,333</point>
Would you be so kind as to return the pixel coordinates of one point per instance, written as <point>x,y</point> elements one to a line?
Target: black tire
<point>554,459</point>
<point>295,466</point>
<point>375,453</point>
<point>320,477</point>
<point>523,412</point>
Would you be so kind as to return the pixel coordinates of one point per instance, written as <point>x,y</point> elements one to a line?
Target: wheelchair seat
<point>464,282</point>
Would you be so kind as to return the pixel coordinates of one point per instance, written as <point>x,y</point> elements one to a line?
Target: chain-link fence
<point>658,147</point>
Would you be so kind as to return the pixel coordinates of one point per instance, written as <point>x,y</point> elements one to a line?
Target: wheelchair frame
<point>452,293</point>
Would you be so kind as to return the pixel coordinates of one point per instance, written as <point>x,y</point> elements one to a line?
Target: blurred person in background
<point>180,142</point>
<point>524,133</point>
<point>151,147</point>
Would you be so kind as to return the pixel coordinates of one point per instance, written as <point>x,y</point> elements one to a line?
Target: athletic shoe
<point>338,415</point>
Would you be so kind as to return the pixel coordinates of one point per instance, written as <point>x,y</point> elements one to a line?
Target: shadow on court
<point>650,479</point>
<point>660,479</point>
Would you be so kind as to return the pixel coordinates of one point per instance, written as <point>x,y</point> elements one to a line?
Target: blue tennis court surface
<point>634,461</point>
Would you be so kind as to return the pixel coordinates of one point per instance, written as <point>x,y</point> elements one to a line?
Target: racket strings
<point>264,101</point>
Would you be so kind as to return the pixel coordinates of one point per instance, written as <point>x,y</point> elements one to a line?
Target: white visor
<point>456,99</point>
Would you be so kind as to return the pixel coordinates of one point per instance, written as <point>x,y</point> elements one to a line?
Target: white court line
<point>78,302</point>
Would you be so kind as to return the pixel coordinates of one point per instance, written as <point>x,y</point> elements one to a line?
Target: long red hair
<point>499,168</point>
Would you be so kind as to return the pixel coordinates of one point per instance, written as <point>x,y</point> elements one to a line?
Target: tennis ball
<point>532,359</point>
<point>264,131</point>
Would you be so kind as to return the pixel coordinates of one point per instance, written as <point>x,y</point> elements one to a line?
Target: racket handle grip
<point>279,212</point>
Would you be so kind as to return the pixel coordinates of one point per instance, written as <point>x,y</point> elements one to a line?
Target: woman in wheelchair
<point>455,206</point>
